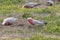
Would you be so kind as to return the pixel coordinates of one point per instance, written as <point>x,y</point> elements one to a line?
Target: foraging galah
<point>49,3</point>
<point>35,22</point>
<point>58,0</point>
<point>9,21</point>
<point>30,5</point>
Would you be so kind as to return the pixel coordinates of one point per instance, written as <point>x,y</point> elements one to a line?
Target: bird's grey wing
<point>37,22</point>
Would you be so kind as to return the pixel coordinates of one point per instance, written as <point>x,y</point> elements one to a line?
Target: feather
<point>30,5</point>
<point>36,22</point>
<point>50,3</point>
<point>9,20</point>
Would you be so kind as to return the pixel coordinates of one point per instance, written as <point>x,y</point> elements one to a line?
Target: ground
<point>21,29</point>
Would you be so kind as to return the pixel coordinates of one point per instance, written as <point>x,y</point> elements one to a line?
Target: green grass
<point>53,26</point>
<point>5,9</point>
<point>50,10</point>
<point>1,19</point>
<point>57,3</point>
<point>15,6</point>
<point>39,37</point>
<point>14,31</point>
<point>10,2</point>
<point>34,37</point>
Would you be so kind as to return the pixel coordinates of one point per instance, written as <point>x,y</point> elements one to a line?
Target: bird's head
<point>6,23</point>
<point>30,20</point>
<point>27,6</point>
<point>49,3</point>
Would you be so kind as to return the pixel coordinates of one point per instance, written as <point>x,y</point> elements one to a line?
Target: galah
<point>9,21</point>
<point>35,22</point>
<point>49,3</point>
<point>30,5</point>
<point>58,0</point>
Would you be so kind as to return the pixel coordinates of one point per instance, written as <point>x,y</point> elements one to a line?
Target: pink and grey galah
<point>49,3</point>
<point>9,21</point>
<point>30,5</point>
<point>35,22</point>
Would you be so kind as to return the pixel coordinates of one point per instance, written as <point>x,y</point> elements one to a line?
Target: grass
<point>13,31</point>
<point>16,8</point>
<point>1,19</point>
<point>34,37</point>
<point>39,37</point>
<point>4,9</point>
<point>53,26</point>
